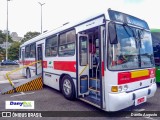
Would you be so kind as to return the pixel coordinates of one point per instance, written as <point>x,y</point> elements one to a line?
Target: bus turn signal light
<point>114,89</point>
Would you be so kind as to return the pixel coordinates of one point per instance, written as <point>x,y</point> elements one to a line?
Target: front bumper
<point>123,100</point>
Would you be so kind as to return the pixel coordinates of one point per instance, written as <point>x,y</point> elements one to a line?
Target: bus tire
<point>28,73</point>
<point>68,88</point>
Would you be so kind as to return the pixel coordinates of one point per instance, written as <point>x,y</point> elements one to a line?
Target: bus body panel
<point>90,24</point>
<point>54,70</point>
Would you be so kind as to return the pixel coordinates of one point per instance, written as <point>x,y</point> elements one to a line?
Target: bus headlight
<point>125,87</point>
<point>120,88</point>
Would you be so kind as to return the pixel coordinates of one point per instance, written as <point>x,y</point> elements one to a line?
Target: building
<point>15,37</point>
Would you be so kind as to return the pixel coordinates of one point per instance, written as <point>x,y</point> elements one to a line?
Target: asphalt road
<point>49,99</point>
<point>8,67</point>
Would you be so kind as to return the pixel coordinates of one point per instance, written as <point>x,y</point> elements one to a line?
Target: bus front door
<point>83,65</point>
<point>90,66</point>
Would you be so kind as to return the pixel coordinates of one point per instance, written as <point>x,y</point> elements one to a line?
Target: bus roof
<point>59,29</point>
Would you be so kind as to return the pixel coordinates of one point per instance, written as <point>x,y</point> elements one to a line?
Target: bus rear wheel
<point>68,88</point>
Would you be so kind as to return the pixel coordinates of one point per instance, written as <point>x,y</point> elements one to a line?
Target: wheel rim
<point>67,87</point>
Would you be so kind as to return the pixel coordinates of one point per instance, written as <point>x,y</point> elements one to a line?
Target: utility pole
<point>7,34</point>
<point>41,14</point>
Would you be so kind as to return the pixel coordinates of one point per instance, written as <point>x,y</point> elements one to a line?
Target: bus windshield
<point>131,52</point>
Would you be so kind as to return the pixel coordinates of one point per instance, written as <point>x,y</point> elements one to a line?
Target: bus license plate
<point>140,100</point>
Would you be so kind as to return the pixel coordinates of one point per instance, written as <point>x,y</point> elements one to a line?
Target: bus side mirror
<point>112,33</point>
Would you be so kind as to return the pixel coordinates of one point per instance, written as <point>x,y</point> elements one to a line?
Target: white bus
<point>106,61</point>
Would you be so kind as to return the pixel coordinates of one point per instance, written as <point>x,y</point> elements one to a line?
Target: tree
<point>3,37</point>
<point>13,51</point>
<point>29,35</point>
<point>2,40</point>
<point>2,53</point>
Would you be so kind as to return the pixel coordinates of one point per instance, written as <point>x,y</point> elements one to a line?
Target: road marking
<point>29,93</point>
<point>22,93</point>
<point>127,117</point>
<point>139,110</point>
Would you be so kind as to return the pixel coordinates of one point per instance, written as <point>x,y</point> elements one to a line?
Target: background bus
<point>106,60</point>
<point>156,47</point>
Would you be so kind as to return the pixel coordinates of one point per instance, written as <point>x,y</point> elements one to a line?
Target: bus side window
<point>27,51</point>
<point>32,50</point>
<point>51,46</point>
<point>67,43</point>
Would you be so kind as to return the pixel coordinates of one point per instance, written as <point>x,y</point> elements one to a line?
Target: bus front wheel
<point>68,88</point>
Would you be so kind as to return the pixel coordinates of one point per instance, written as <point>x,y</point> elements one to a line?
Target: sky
<point>25,15</point>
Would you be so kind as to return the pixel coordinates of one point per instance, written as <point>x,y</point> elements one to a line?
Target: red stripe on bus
<point>65,65</point>
<point>102,69</point>
<point>27,62</point>
<point>44,64</point>
<point>125,77</point>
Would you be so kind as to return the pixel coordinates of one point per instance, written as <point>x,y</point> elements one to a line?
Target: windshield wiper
<point>133,33</point>
<point>125,24</point>
<point>136,40</point>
